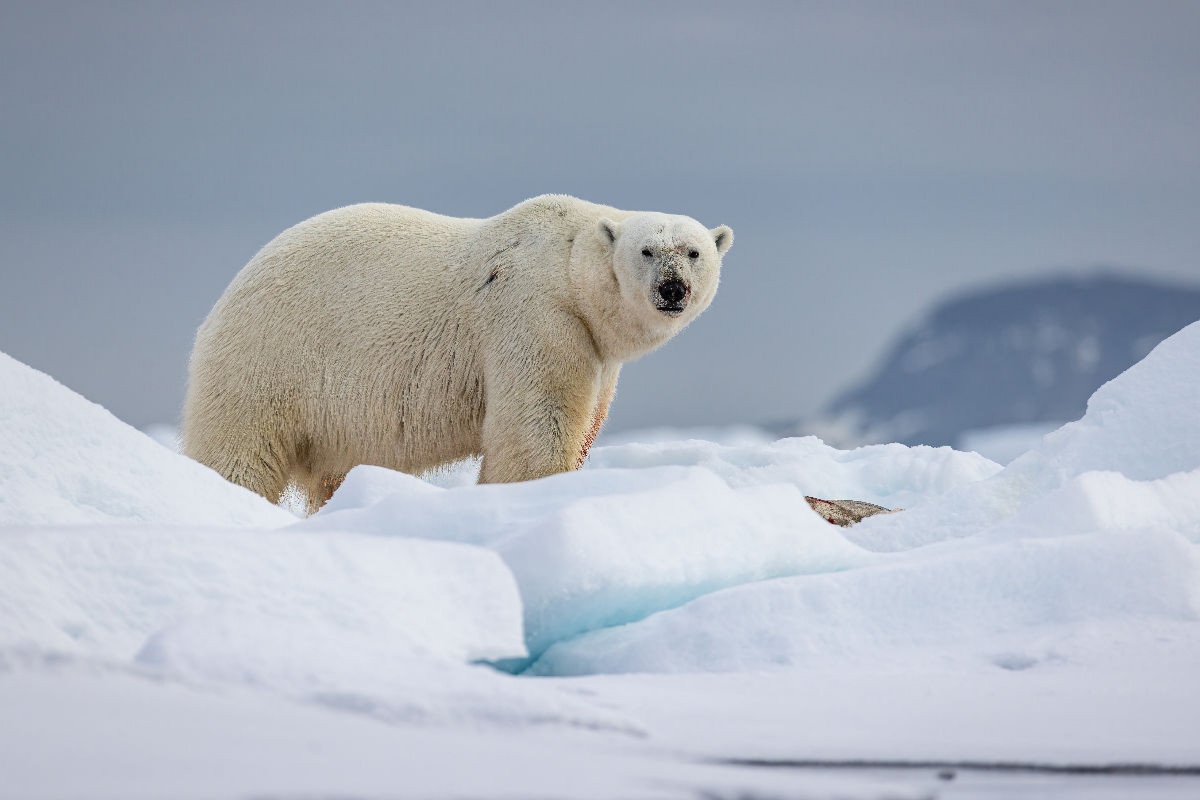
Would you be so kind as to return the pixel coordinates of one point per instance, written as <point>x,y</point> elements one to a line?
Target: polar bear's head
<point>667,266</point>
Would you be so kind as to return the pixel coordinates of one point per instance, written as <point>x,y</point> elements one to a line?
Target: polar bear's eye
<point>646,252</point>
<point>693,254</point>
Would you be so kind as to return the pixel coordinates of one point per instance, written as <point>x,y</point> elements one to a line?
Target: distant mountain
<point>1019,354</point>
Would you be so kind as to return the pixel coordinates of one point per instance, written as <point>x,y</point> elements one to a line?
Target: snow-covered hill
<point>673,606</point>
<point>67,461</point>
<point>1015,359</point>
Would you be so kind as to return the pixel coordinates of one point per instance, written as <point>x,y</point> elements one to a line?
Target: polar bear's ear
<point>609,231</point>
<point>722,236</point>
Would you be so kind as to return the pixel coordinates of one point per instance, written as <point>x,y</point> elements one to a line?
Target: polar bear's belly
<point>413,398</point>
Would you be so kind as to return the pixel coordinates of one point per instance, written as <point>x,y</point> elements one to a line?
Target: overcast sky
<point>869,157</point>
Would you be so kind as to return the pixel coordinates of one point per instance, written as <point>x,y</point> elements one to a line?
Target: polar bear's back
<point>350,278</point>
<point>377,243</point>
<point>359,309</point>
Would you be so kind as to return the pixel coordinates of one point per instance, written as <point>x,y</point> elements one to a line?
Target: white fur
<point>382,334</point>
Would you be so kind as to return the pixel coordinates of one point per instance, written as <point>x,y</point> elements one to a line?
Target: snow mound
<point>174,596</point>
<point>1011,605</point>
<point>1142,424</point>
<point>649,527</point>
<point>1081,548</point>
<point>1047,611</point>
<point>891,475</point>
<point>389,628</point>
<point>66,461</point>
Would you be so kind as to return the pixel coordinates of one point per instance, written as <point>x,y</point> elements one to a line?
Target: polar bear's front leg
<point>538,416</point>
<point>608,388</point>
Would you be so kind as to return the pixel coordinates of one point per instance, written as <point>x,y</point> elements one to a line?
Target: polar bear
<point>387,335</point>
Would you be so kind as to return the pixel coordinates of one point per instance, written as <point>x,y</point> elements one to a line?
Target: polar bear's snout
<point>673,295</point>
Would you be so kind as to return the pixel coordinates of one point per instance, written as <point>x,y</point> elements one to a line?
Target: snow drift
<point>67,461</point>
<point>1095,527</point>
<point>150,593</point>
<point>1068,580</point>
<point>648,527</point>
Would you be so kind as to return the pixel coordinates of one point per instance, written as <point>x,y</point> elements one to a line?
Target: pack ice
<point>1082,549</point>
<point>650,527</point>
<point>1068,580</point>
<point>117,551</point>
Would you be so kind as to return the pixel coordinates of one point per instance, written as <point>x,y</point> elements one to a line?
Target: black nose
<point>672,291</point>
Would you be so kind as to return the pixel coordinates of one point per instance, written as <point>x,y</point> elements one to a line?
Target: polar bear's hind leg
<point>255,463</point>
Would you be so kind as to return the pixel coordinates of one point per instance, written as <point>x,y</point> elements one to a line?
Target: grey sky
<point>869,157</point>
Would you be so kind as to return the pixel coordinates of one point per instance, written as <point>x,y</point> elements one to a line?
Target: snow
<point>67,461</point>
<point>611,546</point>
<point>1142,425</point>
<point>671,608</point>
<point>892,475</point>
<point>960,605</point>
<point>1127,713</point>
<point>1056,544</point>
<point>151,593</point>
<point>119,735</point>
<point>649,527</point>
